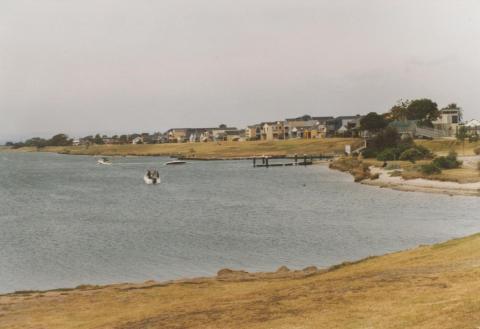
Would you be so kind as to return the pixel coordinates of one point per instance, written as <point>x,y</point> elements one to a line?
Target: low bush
<point>369,153</point>
<point>387,154</point>
<point>448,162</point>
<point>477,150</point>
<point>411,154</point>
<point>430,169</point>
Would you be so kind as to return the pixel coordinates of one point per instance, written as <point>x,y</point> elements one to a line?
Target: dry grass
<point>356,167</point>
<point>214,149</point>
<point>459,175</point>
<point>443,146</point>
<point>429,287</point>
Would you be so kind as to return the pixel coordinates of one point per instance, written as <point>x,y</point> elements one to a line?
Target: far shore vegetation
<point>212,150</point>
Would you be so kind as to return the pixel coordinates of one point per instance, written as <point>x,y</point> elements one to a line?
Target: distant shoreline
<point>222,151</point>
<point>211,150</point>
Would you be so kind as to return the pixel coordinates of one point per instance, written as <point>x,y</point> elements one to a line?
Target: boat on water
<point>152,177</point>
<point>175,162</point>
<point>104,161</point>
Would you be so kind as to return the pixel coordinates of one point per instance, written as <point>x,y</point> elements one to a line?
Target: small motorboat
<point>104,161</point>
<point>175,162</point>
<point>152,177</point>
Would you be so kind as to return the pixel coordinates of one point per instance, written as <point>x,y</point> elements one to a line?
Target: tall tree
<point>423,110</point>
<point>399,111</point>
<point>123,139</point>
<point>373,122</point>
<point>98,139</point>
<point>60,140</point>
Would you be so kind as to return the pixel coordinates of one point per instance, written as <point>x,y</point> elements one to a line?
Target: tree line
<point>56,140</point>
<point>423,111</point>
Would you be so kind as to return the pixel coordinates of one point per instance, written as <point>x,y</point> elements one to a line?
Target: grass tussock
<point>359,169</point>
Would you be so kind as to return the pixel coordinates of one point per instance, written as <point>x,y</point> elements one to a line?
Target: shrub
<point>426,153</point>
<point>369,153</point>
<point>448,162</point>
<point>411,154</point>
<point>389,137</point>
<point>430,169</point>
<point>387,154</point>
<point>477,150</point>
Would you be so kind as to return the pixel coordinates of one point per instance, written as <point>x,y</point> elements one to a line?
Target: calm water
<point>64,220</point>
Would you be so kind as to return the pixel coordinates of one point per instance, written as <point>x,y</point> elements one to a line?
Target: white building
<point>137,140</point>
<point>448,121</point>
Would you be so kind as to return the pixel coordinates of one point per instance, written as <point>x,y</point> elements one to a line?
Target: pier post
<point>296,159</point>
<point>304,159</point>
<point>254,162</point>
<point>266,160</point>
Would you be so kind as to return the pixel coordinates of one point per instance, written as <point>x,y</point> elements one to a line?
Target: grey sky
<point>118,66</point>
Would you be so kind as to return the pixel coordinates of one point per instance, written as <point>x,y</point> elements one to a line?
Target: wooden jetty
<point>265,163</point>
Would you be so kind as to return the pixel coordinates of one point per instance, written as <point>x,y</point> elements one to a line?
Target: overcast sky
<point>118,66</point>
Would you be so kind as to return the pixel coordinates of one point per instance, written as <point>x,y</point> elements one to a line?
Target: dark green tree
<point>123,139</point>
<point>373,122</point>
<point>60,140</point>
<point>423,110</point>
<point>36,142</point>
<point>98,139</point>
<point>399,111</point>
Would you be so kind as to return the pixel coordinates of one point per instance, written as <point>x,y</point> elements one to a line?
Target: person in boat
<point>149,174</point>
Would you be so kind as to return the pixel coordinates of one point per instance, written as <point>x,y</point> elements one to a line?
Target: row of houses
<point>220,133</point>
<point>304,127</point>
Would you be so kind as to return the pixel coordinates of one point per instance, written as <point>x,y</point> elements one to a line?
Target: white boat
<point>104,161</point>
<point>152,177</point>
<point>175,162</point>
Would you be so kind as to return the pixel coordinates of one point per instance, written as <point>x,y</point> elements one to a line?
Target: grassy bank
<point>427,287</point>
<point>443,146</point>
<point>215,149</point>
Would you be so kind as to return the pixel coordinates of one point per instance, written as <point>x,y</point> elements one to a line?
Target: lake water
<point>65,221</point>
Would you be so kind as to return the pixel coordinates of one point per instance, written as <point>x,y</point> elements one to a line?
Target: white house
<point>448,121</point>
<point>137,140</point>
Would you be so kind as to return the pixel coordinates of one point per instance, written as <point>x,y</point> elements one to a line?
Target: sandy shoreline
<point>421,185</point>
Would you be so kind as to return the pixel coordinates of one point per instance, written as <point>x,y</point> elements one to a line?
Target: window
<point>454,118</point>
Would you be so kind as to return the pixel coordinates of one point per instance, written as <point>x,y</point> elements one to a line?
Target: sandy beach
<point>421,185</point>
